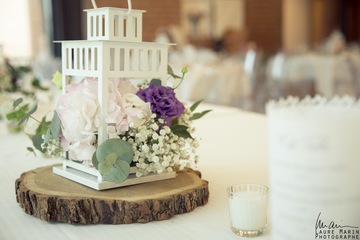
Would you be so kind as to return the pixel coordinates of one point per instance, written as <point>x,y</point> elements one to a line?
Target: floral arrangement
<point>16,81</point>
<point>11,79</point>
<point>148,128</point>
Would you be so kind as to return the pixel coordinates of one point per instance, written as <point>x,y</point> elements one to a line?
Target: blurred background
<point>239,53</point>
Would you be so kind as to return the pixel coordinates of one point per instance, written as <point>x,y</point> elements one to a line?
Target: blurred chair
<point>253,66</point>
<point>347,75</point>
<point>290,75</point>
<point>275,86</point>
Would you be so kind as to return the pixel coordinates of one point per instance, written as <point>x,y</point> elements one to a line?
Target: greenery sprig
<point>46,130</point>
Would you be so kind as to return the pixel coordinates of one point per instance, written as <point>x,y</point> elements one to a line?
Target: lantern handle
<point>129,7</point>
<point>94,4</point>
<point>128,1</point>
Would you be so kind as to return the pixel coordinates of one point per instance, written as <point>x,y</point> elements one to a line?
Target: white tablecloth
<point>233,150</point>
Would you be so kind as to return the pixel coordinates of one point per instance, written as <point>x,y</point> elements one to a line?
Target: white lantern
<point>113,48</point>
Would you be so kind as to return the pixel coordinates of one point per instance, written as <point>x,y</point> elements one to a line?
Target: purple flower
<point>162,102</point>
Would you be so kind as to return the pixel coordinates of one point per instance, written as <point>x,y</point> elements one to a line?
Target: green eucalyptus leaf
<point>156,81</point>
<point>111,159</point>
<point>33,108</point>
<point>43,126</point>
<point>47,136</point>
<point>114,172</point>
<point>95,162</point>
<point>30,149</point>
<point>195,105</point>
<point>18,114</point>
<point>37,141</point>
<point>181,131</point>
<point>122,149</point>
<point>199,115</point>
<point>24,119</point>
<point>28,114</point>
<point>55,126</point>
<point>17,102</point>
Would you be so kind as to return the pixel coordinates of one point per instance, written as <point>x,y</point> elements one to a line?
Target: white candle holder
<point>248,207</point>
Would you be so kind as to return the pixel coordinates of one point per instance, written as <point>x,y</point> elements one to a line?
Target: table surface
<point>233,149</point>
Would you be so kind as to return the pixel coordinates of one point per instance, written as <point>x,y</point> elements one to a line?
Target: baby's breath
<point>53,148</point>
<point>158,150</point>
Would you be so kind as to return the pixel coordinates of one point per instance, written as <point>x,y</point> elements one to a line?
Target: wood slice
<point>55,199</point>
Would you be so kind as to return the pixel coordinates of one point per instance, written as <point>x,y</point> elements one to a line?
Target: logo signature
<point>332,230</point>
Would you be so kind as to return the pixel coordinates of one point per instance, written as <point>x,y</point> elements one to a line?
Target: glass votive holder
<point>248,207</point>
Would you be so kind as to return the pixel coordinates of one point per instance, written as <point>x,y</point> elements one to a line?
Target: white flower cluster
<point>53,148</point>
<point>158,150</point>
